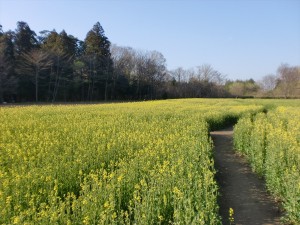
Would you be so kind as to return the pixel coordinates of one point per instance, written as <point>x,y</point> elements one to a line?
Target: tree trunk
<point>36,84</point>
<point>1,93</point>
<point>112,94</point>
<point>57,81</point>
<point>49,87</point>
<point>138,89</point>
<point>106,87</point>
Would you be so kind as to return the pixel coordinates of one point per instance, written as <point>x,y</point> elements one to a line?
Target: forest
<point>58,67</point>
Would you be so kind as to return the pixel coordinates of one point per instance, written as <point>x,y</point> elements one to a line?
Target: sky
<point>242,39</point>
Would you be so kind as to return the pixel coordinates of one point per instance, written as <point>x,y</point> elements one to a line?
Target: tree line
<point>52,67</point>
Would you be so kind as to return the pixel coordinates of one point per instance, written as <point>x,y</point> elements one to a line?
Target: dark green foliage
<point>99,64</point>
<point>8,81</point>
<point>25,39</point>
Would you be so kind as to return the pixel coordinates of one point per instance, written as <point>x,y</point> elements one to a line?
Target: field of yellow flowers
<point>129,163</point>
<point>271,143</point>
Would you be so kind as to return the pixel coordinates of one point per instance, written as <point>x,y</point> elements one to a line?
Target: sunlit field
<point>131,163</point>
<point>271,143</point>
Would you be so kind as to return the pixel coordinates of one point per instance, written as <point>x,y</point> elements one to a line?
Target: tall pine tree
<point>24,42</point>
<point>25,38</point>
<point>8,81</point>
<point>63,49</point>
<point>98,58</point>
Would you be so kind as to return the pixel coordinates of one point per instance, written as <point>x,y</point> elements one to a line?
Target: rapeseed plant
<point>271,142</point>
<point>144,163</point>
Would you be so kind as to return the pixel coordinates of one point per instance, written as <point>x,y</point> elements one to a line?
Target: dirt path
<point>240,189</point>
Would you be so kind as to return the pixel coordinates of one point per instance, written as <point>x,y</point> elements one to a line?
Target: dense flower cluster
<point>130,163</point>
<point>271,142</point>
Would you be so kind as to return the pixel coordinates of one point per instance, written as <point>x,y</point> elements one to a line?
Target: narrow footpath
<point>240,188</point>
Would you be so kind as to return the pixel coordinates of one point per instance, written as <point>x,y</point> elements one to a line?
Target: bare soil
<point>240,188</point>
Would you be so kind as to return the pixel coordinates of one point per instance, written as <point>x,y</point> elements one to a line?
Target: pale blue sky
<point>240,38</point>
